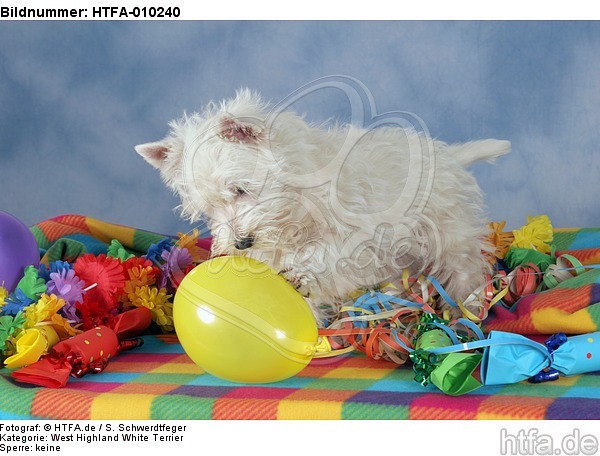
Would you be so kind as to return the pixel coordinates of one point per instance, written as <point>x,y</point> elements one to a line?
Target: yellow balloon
<point>32,344</point>
<point>239,320</point>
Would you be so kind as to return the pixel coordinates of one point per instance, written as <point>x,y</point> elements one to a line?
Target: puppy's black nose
<point>244,243</point>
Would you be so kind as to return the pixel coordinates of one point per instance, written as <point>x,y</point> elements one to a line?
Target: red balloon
<point>18,249</point>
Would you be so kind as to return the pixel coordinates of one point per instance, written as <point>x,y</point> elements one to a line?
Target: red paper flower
<point>142,263</point>
<point>95,310</point>
<point>106,273</point>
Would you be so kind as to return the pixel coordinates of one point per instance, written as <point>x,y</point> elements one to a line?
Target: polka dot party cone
<point>88,352</point>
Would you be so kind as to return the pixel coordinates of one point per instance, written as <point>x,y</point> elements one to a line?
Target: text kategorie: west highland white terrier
<point>334,209</point>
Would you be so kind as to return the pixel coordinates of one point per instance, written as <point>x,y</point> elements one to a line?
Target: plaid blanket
<point>573,306</point>
<point>159,381</point>
<point>67,237</point>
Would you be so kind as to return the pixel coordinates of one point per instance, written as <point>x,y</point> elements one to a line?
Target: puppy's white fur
<point>336,209</point>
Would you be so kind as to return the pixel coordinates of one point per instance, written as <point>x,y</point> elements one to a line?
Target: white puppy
<point>335,210</point>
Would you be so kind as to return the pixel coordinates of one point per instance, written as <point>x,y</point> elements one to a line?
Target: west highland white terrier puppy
<point>334,209</point>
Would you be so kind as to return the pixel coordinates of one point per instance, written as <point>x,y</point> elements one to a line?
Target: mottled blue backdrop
<point>75,97</point>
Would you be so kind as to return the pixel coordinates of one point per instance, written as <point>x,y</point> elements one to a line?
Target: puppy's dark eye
<point>239,191</point>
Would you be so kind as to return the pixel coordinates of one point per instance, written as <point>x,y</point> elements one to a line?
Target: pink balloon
<point>18,249</point>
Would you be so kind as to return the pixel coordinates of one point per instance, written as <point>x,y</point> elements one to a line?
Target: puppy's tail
<point>486,149</point>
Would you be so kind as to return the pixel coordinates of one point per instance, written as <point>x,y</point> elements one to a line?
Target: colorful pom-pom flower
<point>190,242</point>
<point>65,284</point>
<point>53,266</point>
<point>10,326</point>
<point>179,261</point>
<point>139,276</point>
<point>45,311</point>
<point>32,285</point>
<point>16,302</point>
<point>537,234</point>
<point>117,250</point>
<point>156,250</point>
<point>103,273</point>
<point>157,300</point>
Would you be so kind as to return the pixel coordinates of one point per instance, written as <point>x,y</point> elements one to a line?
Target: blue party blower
<point>511,358</point>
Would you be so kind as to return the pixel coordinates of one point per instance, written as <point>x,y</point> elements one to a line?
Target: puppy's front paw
<point>301,281</point>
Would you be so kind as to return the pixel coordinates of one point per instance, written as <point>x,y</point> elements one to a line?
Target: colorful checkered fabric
<point>582,243</point>
<point>159,381</point>
<point>572,307</point>
<point>66,237</point>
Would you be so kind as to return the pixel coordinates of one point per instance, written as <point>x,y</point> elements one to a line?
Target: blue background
<point>76,97</point>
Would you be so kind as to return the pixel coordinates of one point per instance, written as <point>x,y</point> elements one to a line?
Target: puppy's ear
<point>154,153</point>
<point>242,130</point>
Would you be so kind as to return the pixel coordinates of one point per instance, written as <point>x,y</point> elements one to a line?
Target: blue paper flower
<point>15,302</point>
<point>156,250</point>
<point>54,266</point>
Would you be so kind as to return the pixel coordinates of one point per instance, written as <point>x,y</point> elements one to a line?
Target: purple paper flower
<point>69,311</point>
<point>178,259</point>
<point>65,284</point>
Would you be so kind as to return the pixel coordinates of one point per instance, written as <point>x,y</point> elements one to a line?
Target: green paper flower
<point>32,285</point>
<point>9,326</point>
<point>116,250</point>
